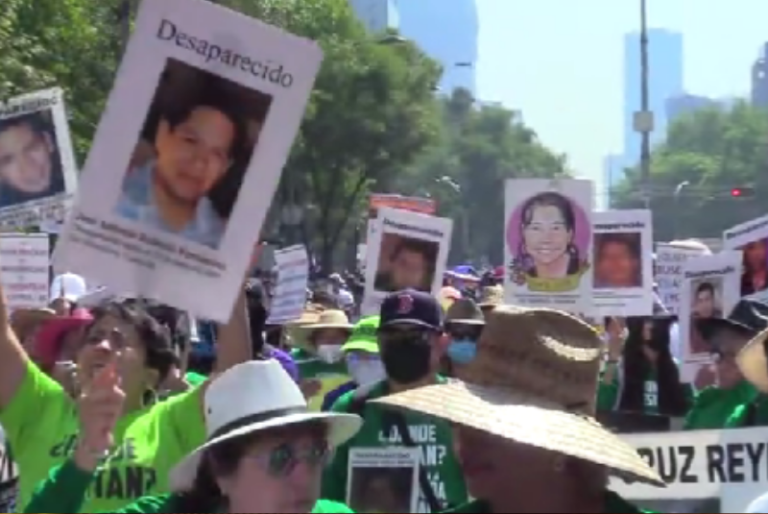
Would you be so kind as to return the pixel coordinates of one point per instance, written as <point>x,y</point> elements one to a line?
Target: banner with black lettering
<point>702,469</point>
<point>668,272</point>
<point>188,155</point>
<point>408,250</point>
<point>623,276</point>
<point>710,289</point>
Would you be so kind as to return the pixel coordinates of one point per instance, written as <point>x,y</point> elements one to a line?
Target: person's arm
<point>14,361</point>
<point>65,489</point>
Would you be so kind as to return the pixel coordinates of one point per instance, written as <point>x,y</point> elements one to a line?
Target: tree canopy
<point>371,112</point>
<point>706,155</point>
<point>480,146</point>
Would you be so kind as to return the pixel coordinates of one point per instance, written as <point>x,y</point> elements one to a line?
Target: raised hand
<point>99,406</point>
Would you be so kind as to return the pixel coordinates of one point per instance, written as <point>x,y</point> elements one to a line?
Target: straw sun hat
<point>331,318</point>
<point>491,296</point>
<point>533,381</point>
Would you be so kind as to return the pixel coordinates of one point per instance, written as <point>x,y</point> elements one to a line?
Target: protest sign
<point>408,250</point>
<point>709,289</point>
<point>751,238</point>
<point>383,479</point>
<point>38,175</point>
<point>378,201</point>
<point>24,270</point>
<point>188,154</point>
<point>548,244</point>
<point>729,467</point>
<point>670,260</point>
<point>290,295</point>
<point>623,276</point>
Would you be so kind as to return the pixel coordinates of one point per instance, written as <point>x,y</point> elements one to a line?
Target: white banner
<point>290,296</point>
<point>730,465</point>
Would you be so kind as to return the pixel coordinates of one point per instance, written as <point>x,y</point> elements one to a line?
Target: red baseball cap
<point>49,338</point>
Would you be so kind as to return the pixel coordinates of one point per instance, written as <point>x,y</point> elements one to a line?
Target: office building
<point>760,79</point>
<point>377,15</point>
<point>681,105</point>
<point>613,174</point>
<point>665,80</point>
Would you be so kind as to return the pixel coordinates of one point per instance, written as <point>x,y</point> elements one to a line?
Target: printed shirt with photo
<point>446,476</point>
<point>137,203</point>
<point>42,425</point>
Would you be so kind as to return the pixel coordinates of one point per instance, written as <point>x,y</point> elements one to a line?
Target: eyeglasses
<point>281,460</point>
<point>721,356</point>
<point>464,331</point>
<point>410,335</point>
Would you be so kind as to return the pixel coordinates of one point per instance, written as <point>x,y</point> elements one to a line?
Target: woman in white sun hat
<point>524,419</point>
<point>265,450</point>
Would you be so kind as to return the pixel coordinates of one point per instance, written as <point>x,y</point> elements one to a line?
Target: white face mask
<point>366,372</point>
<point>329,353</point>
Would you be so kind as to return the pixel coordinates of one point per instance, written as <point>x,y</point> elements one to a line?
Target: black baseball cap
<point>411,307</point>
<point>749,317</point>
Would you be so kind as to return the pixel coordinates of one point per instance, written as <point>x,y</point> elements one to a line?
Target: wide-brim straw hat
<point>533,381</point>
<point>465,311</point>
<point>753,362</point>
<point>233,410</point>
<point>491,296</point>
<point>330,318</point>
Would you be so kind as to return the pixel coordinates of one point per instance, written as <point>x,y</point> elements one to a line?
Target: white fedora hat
<point>253,396</point>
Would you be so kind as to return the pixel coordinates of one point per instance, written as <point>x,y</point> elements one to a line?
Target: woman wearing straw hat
<point>320,358</point>
<point>264,453</point>
<point>525,430</point>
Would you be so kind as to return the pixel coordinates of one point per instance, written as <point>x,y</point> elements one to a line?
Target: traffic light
<point>742,192</point>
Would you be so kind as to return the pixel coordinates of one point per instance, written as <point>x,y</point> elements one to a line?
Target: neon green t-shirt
<point>41,425</point>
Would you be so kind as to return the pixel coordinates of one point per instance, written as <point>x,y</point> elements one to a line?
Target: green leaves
<point>706,154</point>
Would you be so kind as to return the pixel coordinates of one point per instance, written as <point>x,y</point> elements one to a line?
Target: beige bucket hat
<point>753,362</point>
<point>491,296</point>
<point>534,381</point>
<point>331,318</point>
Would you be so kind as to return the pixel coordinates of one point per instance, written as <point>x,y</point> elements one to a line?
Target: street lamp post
<point>676,199</point>
<point>643,121</point>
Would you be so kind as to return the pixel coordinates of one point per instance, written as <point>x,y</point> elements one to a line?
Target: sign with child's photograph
<point>290,296</point>
<point>623,276</point>
<point>710,289</point>
<point>548,243</point>
<point>751,238</point>
<point>24,270</point>
<point>188,154</point>
<point>383,479</point>
<point>409,250</point>
<point>38,175</point>
<point>378,201</point>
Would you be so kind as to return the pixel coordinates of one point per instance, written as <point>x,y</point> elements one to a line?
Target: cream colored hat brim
<point>753,364</point>
<point>318,326</point>
<point>341,428</point>
<point>530,421</point>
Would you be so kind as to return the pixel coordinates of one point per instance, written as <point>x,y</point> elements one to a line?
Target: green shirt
<point>41,425</point>
<point>433,436</point>
<point>713,406</point>
<point>740,414</point>
<point>65,488</point>
<point>330,376</point>
<point>194,379</point>
<point>614,504</point>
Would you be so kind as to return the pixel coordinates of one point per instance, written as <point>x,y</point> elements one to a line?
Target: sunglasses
<point>410,335</point>
<point>280,461</point>
<point>461,331</point>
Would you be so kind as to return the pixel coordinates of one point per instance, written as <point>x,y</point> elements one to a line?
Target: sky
<point>560,63</point>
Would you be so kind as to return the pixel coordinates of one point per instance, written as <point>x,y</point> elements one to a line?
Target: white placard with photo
<point>548,244</point>
<point>383,479</point>
<point>670,260</point>
<point>24,270</point>
<point>290,296</point>
<point>188,154</point>
<point>623,274</point>
<point>38,174</point>
<point>709,289</point>
<point>408,250</point>
<point>751,238</point>
<point>705,469</point>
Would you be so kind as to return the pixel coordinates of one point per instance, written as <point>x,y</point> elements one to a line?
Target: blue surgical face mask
<point>462,351</point>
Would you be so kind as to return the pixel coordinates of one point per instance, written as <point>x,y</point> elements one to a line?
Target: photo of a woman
<point>754,277</point>
<point>544,243</point>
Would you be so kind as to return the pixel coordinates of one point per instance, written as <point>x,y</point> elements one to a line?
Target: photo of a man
<point>382,490</point>
<point>754,277</point>
<point>30,165</point>
<point>192,145</point>
<point>706,302</point>
<point>405,262</point>
<point>618,260</point>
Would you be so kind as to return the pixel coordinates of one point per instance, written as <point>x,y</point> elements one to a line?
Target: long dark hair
<point>564,207</point>
<point>223,460</point>
<point>636,367</point>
